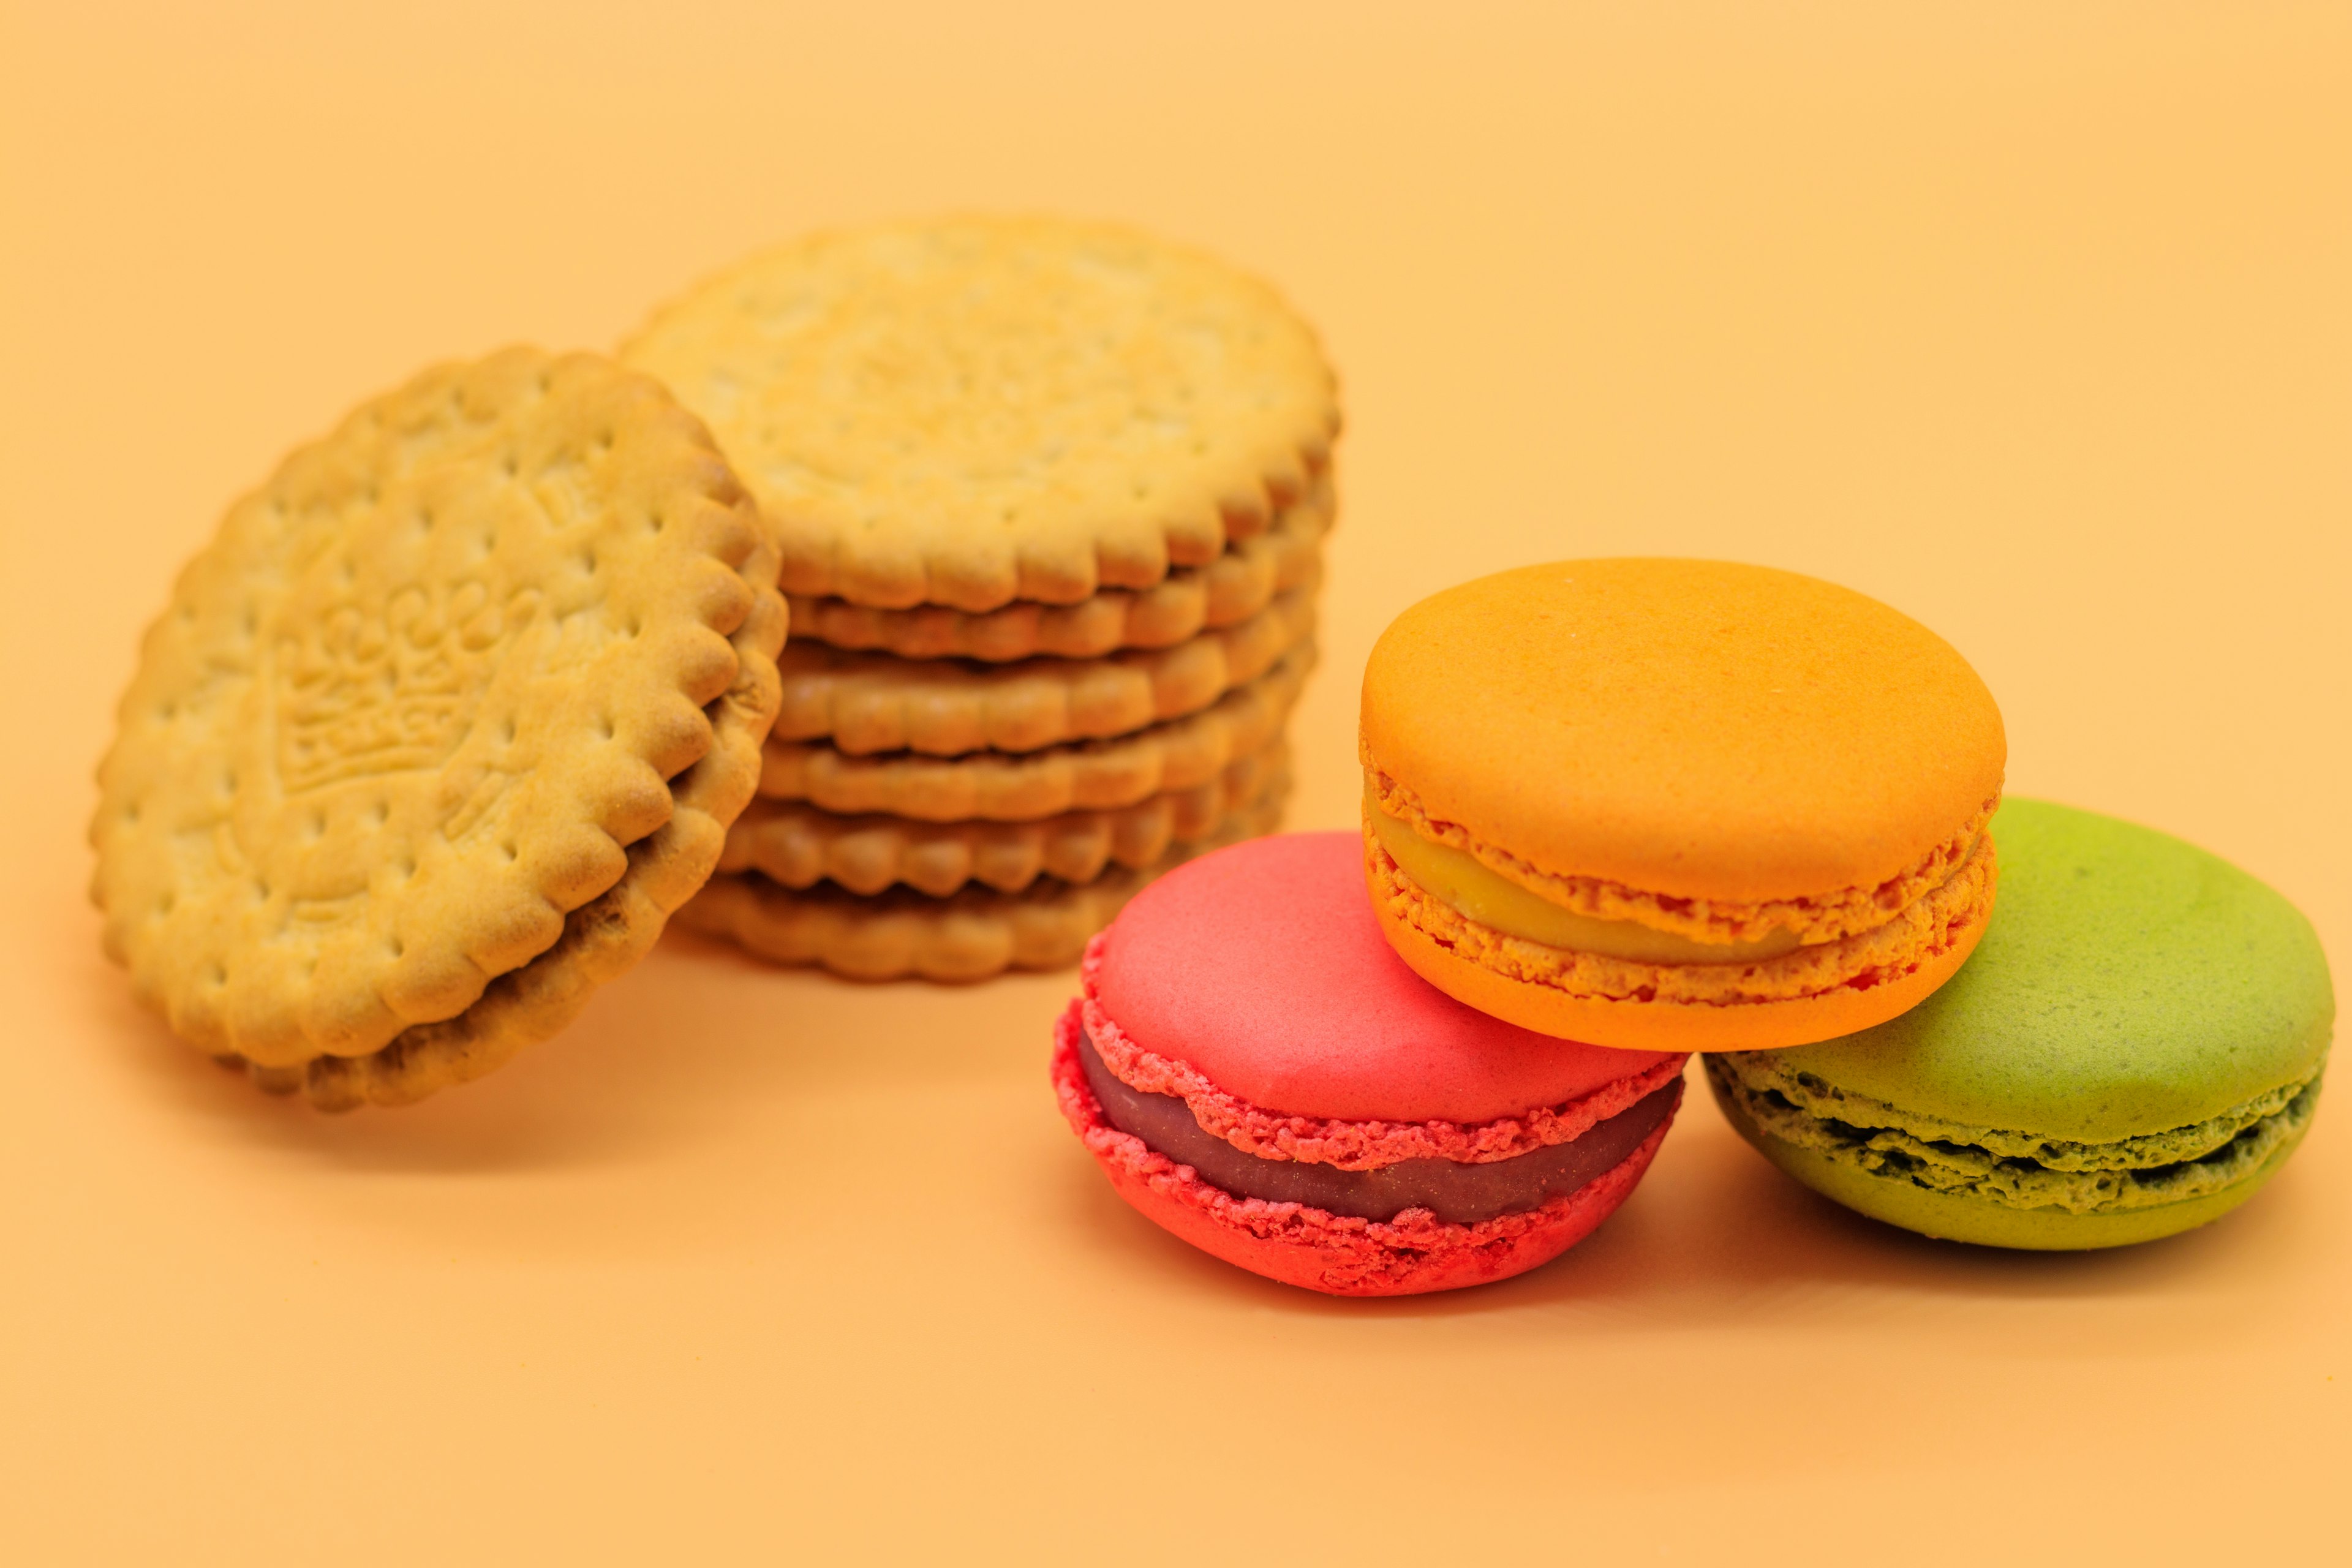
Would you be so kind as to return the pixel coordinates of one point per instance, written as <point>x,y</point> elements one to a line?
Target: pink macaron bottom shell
<point>1413,1253</point>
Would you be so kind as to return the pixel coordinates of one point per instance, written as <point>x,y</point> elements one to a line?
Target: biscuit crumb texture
<point>975,410</point>
<point>446,717</point>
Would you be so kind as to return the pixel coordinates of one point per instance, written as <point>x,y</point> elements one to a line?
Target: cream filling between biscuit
<point>1480,893</point>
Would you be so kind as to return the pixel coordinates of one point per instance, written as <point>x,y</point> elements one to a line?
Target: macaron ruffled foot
<point>2135,1050</point>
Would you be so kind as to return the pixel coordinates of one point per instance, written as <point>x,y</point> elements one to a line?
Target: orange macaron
<point>1677,805</point>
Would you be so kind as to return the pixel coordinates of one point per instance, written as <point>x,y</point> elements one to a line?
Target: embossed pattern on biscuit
<point>1235,586</point>
<point>869,702</point>
<point>416,702</point>
<point>969,411</point>
<point>798,846</point>
<point>605,937</point>
<point>971,935</point>
<point>1014,787</point>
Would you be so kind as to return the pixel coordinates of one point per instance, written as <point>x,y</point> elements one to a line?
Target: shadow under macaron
<point>1715,1237</point>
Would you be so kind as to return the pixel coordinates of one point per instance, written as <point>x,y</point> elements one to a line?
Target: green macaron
<point>2135,1048</point>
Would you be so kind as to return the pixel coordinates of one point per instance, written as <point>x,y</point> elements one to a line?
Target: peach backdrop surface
<point>2031,320</point>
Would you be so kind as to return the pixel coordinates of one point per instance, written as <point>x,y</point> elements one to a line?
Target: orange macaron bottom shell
<point>1296,1244</point>
<point>1522,981</point>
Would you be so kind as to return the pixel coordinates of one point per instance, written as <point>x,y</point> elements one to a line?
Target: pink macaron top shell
<point>1262,966</point>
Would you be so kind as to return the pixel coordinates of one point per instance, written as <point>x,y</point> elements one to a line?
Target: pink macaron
<point>1257,1071</point>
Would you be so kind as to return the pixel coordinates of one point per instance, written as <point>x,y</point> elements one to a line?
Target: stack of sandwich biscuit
<point>1051,498</point>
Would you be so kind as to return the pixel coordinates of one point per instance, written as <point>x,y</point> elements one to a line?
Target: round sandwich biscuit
<point>1677,805</point>
<point>969,411</point>
<point>1190,599</point>
<point>798,846</point>
<point>1022,786</point>
<point>1256,1072</point>
<point>433,736</point>
<point>863,703</point>
<point>2135,1050</point>
<point>970,935</point>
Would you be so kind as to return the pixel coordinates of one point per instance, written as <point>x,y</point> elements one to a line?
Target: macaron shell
<point>2129,983</point>
<point>1696,728</point>
<point>1655,1026</point>
<point>1262,966</point>
<point>1950,1217</point>
<point>1320,1251</point>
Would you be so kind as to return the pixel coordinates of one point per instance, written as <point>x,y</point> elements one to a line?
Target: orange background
<point>2031,320</point>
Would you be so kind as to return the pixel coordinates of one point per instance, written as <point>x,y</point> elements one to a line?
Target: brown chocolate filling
<point>1458,1192</point>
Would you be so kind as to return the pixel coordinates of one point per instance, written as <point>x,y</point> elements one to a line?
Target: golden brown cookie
<point>969,411</point>
<point>1190,599</point>
<point>445,720</point>
<point>973,934</point>
<point>862,703</point>
<point>996,786</point>
<point>797,846</point>
<point>607,936</point>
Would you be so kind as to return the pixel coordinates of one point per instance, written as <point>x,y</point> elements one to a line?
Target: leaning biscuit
<point>974,934</point>
<point>969,411</point>
<point>797,846</point>
<point>449,716</point>
<point>1190,599</point>
<point>997,787</point>
<point>869,702</point>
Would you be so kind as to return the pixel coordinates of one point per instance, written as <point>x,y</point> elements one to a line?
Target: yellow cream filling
<point>1494,900</point>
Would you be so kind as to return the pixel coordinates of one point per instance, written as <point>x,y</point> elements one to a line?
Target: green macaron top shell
<point>2128,986</point>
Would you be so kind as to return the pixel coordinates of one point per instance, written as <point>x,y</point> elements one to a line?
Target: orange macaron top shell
<point>1691,729</point>
<point>1761,796</point>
